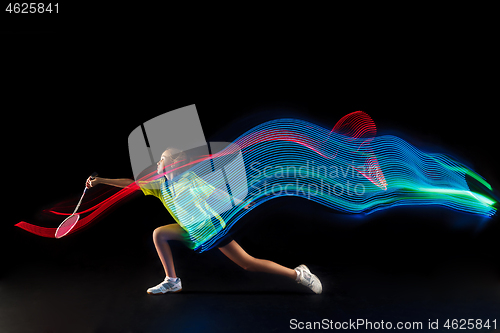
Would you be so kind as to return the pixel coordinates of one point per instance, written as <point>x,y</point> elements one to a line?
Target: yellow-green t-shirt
<point>186,202</point>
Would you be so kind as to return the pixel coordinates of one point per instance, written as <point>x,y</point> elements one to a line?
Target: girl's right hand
<point>92,182</point>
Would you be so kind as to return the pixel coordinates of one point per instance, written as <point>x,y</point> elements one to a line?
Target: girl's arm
<point>122,182</point>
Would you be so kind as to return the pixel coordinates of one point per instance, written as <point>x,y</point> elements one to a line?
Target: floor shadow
<point>244,292</point>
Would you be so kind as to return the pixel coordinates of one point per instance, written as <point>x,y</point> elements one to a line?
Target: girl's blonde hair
<point>179,154</point>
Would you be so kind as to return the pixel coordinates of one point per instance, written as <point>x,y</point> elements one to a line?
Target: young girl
<point>165,190</point>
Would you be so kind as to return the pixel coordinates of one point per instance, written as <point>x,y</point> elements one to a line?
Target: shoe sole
<point>321,287</point>
<point>168,292</point>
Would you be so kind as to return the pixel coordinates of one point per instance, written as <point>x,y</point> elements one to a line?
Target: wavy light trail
<point>347,168</point>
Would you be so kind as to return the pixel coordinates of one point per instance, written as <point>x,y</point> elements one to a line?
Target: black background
<point>70,100</point>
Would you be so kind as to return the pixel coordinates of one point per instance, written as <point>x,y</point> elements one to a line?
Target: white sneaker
<point>306,278</point>
<point>169,285</point>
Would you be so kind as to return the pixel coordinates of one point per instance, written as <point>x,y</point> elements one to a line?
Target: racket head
<point>67,225</point>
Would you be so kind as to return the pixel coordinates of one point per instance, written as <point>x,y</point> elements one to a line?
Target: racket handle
<point>93,175</point>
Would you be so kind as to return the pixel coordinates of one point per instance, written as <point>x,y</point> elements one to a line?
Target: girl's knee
<point>250,264</point>
<point>159,233</point>
<point>168,232</point>
<point>234,252</point>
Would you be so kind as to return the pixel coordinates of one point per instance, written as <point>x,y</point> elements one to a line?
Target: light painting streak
<point>348,169</point>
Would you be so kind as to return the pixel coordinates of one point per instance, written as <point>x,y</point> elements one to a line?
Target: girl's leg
<point>161,236</point>
<point>234,252</point>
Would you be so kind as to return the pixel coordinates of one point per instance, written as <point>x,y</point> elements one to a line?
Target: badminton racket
<point>71,220</point>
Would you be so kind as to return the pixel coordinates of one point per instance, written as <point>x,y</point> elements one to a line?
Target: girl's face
<point>165,159</point>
